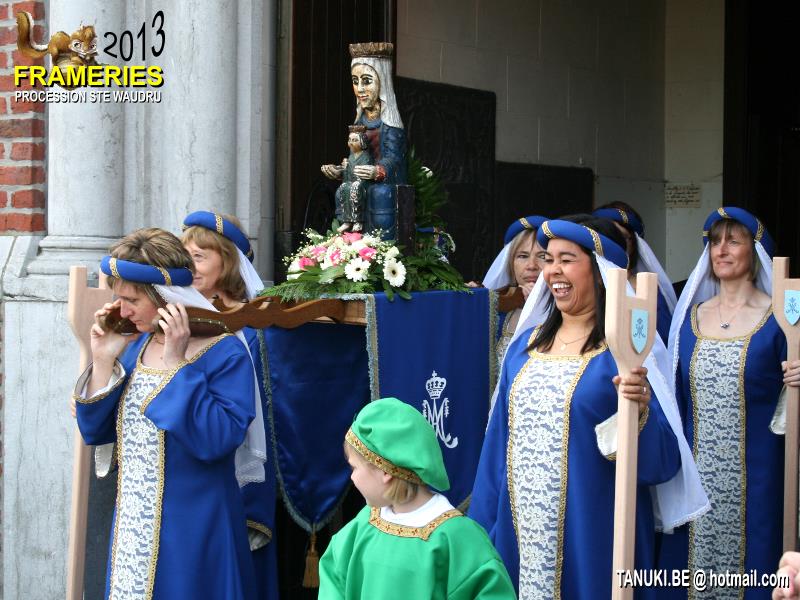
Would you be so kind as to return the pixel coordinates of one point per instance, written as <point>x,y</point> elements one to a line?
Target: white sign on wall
<point>682,195</point>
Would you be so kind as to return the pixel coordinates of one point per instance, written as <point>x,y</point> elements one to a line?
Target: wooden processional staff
<point>630,333</point>
<point>82,303</point>
<point>786,308</point>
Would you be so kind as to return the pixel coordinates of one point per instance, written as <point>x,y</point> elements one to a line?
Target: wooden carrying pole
<point>621,327</point>
<point>786,308</point>
<point>82,303</point>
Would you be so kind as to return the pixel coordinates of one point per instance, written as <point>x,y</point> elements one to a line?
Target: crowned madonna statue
<point>376,111</point>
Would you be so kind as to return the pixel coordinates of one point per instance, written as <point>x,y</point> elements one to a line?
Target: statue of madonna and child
<point>367,197</point>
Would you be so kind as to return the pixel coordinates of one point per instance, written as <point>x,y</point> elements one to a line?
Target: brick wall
<point>22,131</point>
<point>22,158</point>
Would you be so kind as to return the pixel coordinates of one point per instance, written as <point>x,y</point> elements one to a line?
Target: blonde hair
<point>230,281</point>
<point>525,234</point>
<point>399,491</point>
<point>152,246</point>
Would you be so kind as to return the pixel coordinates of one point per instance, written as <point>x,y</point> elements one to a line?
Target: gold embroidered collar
<point>406,531</point>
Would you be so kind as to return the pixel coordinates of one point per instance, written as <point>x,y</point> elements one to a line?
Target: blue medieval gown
<point>260,498</point>
<point>552,522</point>
<point>179,525</point>
<point>727,392</point>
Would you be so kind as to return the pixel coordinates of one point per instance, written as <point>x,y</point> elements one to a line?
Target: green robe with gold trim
<point>450,557</point>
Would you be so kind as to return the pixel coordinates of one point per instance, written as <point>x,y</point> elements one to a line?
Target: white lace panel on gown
<point>139,493</point>
<point>501,348</point>
<point>537,454</point>
<point>716,541</point>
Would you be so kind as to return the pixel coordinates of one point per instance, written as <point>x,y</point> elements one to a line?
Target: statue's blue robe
<point>760,377</point>
<point>587,514</point>
<point>382,196</point>
<point>203,412</point>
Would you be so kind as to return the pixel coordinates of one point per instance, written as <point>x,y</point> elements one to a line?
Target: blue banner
<point>318,382</point>
<point>436,352</point>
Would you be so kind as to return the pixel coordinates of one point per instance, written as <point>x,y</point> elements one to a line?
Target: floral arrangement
<point>352,263</point>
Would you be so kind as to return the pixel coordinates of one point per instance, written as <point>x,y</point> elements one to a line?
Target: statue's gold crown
<point>374,49</point>
<point>356,128</point>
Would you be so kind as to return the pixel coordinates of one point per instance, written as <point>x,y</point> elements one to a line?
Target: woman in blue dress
<point>641,258</point>
<point>222,257</point>
<point>545,484</point>
<point>517,264</point>
<point>728,352</point>
<point>181,410</point>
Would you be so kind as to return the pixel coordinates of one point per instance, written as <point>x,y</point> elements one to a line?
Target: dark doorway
<point>320,105</point>
<point>762,118</point>
<point>321,102</point>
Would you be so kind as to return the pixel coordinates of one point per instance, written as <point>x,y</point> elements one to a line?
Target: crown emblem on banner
<point>435,386</point>
<point>374,49</point>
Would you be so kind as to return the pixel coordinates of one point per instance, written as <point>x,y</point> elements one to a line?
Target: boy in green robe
<point>409,542</point>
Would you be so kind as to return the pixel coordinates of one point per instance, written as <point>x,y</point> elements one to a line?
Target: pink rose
<point>367,253</point>
<point>318,251</point>
<point>306,262</point>
<point>351,237</point>
<point>336,257</point>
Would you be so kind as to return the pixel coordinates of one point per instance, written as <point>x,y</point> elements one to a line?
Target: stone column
<point>113,168</point>
<point>85,161</point>
<point>209,144</point>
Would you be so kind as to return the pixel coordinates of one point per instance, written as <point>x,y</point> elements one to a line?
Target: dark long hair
<point>547,332</point>
<point>633,257</point>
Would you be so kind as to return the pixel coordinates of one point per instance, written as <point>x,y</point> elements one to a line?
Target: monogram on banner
<point>436,410</point>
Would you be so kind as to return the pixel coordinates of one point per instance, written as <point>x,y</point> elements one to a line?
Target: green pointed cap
<point>397,439</point>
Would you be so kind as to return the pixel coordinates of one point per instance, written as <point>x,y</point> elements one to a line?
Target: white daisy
<point>394,272</point>
<point>356,269</point>
<point>293,271</point>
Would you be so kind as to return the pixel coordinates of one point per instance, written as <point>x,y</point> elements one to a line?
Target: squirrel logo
<point>65,50</point>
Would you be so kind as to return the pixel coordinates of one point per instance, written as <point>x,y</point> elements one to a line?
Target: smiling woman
<point>727,350</point>
<point>221,252</point>
<point>578,296</point>
<point>545,483</point>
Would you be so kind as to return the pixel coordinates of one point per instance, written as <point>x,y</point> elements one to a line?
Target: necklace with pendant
<point>726,324</point>
<point>564,344</point>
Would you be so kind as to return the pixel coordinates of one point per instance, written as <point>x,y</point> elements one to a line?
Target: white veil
<point>383,67</point>
<point>649,263</point>
<point>252,454</point>
<point>497,276</point>
<point>701,286</point>
<point>682,498</point>
<point>247,272</point>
